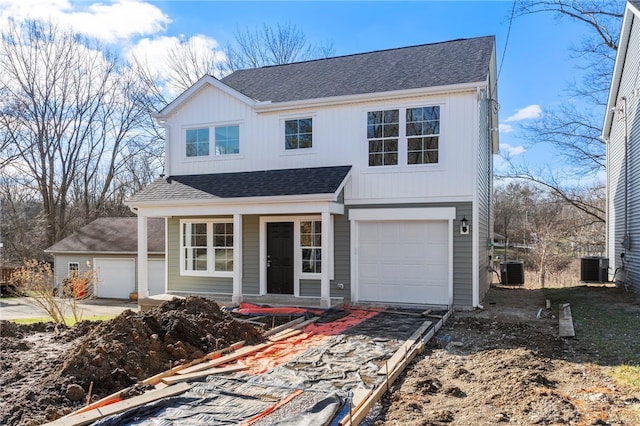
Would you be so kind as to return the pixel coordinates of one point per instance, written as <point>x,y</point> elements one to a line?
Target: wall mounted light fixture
<point>464,226</point>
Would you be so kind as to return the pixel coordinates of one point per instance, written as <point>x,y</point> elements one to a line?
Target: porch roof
<point>265,183</point>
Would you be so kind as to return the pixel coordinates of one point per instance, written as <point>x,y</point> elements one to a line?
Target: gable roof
<point>264,183</point>
<point>631,14</point>
<point>428,65</point>
<point>112,235</point>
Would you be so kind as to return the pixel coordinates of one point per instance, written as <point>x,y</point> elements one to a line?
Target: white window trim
<point>281,135</point>
<point>210,272</point>
<point>403,165</point>
<point>69,267</point>
<point>298,275</point>
<point>212,141</point>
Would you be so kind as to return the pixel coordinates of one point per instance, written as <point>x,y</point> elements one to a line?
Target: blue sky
<point>534,74</point>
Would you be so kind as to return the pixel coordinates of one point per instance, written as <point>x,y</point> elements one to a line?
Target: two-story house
<point>364,178</point>
<point>621,131</point>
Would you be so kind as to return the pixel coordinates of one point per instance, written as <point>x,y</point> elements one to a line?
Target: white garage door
<point>403,262</point>
<point>156,276</point>
<point>116,277</point>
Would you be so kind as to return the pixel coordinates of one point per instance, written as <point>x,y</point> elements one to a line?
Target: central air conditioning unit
<point>594,269</point>
<point>512,272</point>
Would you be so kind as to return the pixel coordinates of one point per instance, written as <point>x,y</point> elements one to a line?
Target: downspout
<point>626,240</point>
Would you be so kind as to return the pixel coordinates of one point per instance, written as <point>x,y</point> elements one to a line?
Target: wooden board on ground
<point>226,358</point>
<point>119,407</point>
<point>404,349</point>
<point>204,373</point>
<point>565,321</point>
<point>279,328</point>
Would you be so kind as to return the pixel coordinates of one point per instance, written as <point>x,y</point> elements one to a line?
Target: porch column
<point>236,297</point>
<point>143,275</point>
<point>325,290</point>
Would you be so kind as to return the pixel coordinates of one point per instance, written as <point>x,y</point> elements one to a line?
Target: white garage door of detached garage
<point>116,277</point>
<point>404,261</point>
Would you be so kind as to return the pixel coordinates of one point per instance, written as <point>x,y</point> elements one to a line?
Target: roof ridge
<point>350,55</point>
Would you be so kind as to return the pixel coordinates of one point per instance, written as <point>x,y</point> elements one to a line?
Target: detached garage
<point>109,247</point>
<point>403,256</point>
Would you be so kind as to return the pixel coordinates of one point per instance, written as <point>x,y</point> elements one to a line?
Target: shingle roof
<point>427,65</point>
<point>266,183</point>
<point>636,3</point>
<point>112,234</point>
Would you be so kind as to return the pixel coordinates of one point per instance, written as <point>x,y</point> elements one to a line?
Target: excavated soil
<point>506,365</point>
<point>47,372</point>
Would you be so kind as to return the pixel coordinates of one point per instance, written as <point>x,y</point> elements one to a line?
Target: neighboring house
<point>621,131</point>
<point>361,178</point>
<point>110,247</point>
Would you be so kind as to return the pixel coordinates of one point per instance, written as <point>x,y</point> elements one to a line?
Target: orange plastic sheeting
<point>250,309</point>
<point>314,334</point>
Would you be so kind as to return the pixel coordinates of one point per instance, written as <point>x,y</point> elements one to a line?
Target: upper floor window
<point>382,135</point>
<point>197,142</point>
<point>298,133</point>
<point>227,140</point>
<point>423,132</point>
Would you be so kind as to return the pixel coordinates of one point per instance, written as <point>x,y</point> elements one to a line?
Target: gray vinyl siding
<point>251,254</point>
<point>189,284</point>
<point>341,257</point>
<point>462,249</point>
<point>485,189</point>
<point>623,203</point>
<point>61,265</point>
<point>309,288</point>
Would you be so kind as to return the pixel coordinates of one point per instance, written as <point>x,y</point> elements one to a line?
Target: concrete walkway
<point>23,307</point>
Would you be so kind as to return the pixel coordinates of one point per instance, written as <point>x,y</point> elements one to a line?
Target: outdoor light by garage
<point>464,226</point>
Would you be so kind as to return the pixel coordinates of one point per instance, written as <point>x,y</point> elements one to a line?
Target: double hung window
<point>206,247</point>
<point>310,244</point>
<point>403,136</point>
<point>423,132</point>
<point>382,134</point>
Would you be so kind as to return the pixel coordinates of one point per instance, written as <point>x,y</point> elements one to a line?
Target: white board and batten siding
<point>336,129</point>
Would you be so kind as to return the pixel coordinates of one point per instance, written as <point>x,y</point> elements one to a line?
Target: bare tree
<point>72,118</point>
<point>278,45</point>
<point>573,130</point>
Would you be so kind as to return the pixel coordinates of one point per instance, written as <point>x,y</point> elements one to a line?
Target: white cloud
<point>110,22</point>
<point>510,151</point>
<point>526,113</point>
<point>505,128</point>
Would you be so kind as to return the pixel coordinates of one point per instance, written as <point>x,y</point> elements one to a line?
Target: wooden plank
<point>404,348</point>
<point>358,415</point>
<point>199,374</point>
<point>292,331</point>
<point>360,395</point>
<point>565,321</point>
<point>91,416</point>
<point>154,380</point>
<point>279,337</point>
<point>226,358</point>
<point>279,328</point>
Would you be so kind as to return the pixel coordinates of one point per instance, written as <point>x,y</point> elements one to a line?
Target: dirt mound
<point>113,355</point>
<point>133,346</point>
